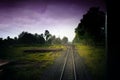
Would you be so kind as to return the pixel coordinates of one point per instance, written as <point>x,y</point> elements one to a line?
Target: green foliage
<point>95,60</point>
<point>28,66</point>
<point>29,39</point>
<point>91,27</point>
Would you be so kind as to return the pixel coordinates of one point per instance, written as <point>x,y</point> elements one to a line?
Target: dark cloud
<point>82,3</point>
<point>13,2</point>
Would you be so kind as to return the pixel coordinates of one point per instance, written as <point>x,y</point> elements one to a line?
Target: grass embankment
<point>28,66</point>
<point>95,60</point>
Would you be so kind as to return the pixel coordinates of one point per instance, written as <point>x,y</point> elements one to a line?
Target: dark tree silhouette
<point>25,38</point>
<point>28,38</point>
<point>1,42</point>
<point>15,38</point>
<point>47,35</point>
<point>41,39</point>
<point>9,41</point>
<point>92,26</point>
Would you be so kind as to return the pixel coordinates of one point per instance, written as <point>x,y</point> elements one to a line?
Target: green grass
<point>28,66</point>
<point>58,46</point>
<point>95,60</point>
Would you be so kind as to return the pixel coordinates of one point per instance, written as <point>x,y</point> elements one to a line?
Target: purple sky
<point>35,16</point>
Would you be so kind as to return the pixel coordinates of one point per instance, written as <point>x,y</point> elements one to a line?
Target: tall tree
<point>92,26</point>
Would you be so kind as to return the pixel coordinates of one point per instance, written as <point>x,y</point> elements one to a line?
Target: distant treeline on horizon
<point>31,39</point>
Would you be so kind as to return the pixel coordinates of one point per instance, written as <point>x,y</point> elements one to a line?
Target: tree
<point>15,38</point>
<point>53,39</point>
<point>41,39</point>
<point>27,38</point>
<point>47,35</point>
<point>9,41</point>
<point>58,41</point>
<point>92,26</point>
<point>65,40</point>
<point>1,42</point>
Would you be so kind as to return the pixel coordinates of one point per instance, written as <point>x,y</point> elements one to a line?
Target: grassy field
<point>28,66</point>
<point>95,60</point>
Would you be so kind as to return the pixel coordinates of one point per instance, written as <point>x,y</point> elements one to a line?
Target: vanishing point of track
<point>68,70</point>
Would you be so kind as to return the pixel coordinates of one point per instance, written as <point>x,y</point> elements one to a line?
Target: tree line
<point>26,38</point>
<point>91,29</point>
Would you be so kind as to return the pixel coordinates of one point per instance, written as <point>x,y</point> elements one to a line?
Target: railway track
<point>69,70</point>
<point>67,67</point>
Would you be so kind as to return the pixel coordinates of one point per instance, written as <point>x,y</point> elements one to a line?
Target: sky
<point>60,17</point>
